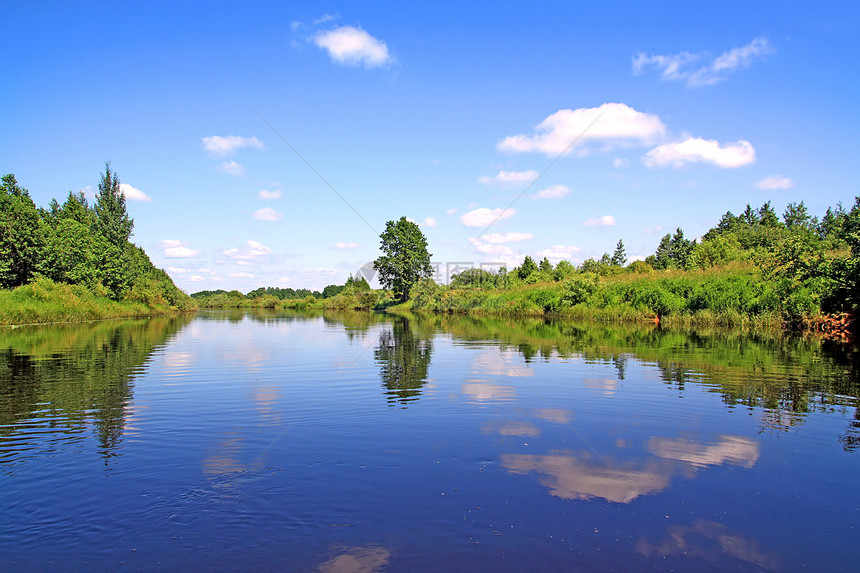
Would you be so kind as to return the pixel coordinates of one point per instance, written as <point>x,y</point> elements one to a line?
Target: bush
<point>578,289</point>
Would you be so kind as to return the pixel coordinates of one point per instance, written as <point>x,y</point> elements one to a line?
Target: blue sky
<point>236,128</point>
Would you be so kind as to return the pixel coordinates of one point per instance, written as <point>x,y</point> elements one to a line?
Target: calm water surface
<point>361,442</point>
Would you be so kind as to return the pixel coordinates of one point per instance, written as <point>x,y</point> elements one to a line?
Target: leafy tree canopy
<point>405,259</point>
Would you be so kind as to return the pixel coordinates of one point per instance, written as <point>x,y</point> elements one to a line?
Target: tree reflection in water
<point>403,359</point>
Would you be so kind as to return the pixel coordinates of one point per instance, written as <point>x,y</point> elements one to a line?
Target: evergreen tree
<point>619,257</point>
<point>796,216</point>
<point>528,267</point>
<point>112,220</point>
<point>545,265</point>
<point>663,255</point>
<point>767,216</point>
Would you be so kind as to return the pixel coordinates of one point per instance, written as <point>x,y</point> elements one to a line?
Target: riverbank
<point>736,295</point>
<point>44,301</point>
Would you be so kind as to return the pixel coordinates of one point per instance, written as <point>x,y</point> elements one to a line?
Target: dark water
<point>360,442</point>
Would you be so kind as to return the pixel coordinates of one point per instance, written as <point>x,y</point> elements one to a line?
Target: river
<point>264,440</point>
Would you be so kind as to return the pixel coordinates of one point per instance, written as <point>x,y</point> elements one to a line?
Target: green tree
<point>405,259</point>
<point>545,266</point>
<point>73,254</point>
<point>21,235</point>
<point>528,267</point>
<point>112,220</point>
<point>619,257</point>
<point>404,360</point>
<point>796,216</point>
<point>767,216</point>
<point>674,251</point>
<point>563,270</point>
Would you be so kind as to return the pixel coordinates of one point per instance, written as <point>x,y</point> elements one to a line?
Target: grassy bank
<point>44,301</point>
<point>732,296</point>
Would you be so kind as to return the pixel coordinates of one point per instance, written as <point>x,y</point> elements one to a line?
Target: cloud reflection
<point>709,540</point>
<point>493,363</point>
<point>358,560</point>
<point>606,385</point>
<point>571,477</point>
<point>736,450</point>
<point>513,429</point>
<point>483,392</point>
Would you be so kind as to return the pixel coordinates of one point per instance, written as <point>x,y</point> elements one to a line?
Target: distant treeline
<point>75,243</point>
<point>273,296</point>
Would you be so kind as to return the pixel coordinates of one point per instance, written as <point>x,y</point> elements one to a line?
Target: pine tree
<point>112,220</point>
<point>619,257</point>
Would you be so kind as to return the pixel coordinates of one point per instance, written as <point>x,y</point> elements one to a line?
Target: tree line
<point>79,244</point>
<point>753,266</point>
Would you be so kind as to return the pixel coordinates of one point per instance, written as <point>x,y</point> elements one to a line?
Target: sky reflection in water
<point>360,442</point>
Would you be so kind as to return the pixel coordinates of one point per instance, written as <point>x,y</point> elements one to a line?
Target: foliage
<point>619,257</point>
<point>673,252</point>
<point>76,244</point>
<point>43,301</point>
<point>112,220</point>
<point>527,268</point>
<point>21,237</point>
<point>477,278</point>
<point>405,259</point>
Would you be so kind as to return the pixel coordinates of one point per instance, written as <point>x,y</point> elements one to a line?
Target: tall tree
<point>405,259</point>
<point>112,220</point>
<point>545,265</point>
<point>796,215</point>
<point>619,257</point>
<point>21,236</point>
<point>528,267</point>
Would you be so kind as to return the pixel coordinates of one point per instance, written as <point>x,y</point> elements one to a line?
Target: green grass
<point>44,301</point>
<point>734,296</point>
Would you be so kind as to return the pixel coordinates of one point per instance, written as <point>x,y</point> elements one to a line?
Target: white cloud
<point>326,18</point>
<point>284,280</point>
<point>269,195</point>
<point>552,192</point>
<point>619,162</point>
<point>450,211</point>
<point>697,150</point>
<point>241,276</point>
<point>174,249</point>
<point>482,217</point>
<point>618,125</point>
<point>134,194</point>
<point>177,270</point>
<point>431,222</point>
<point>218,146</point>
<point>353,46</point>
<point>251,250</point>
<point>685,66</point>
<point>604,221</point>
<point>510,178</point>
<point>231,168</point>
<point>345,246</point>
<point>267,214</point>
<point>496,250</point>
<point>559,252</point>
<point>775,182</point>
<point>196,278</point>
<point>506,237</point>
